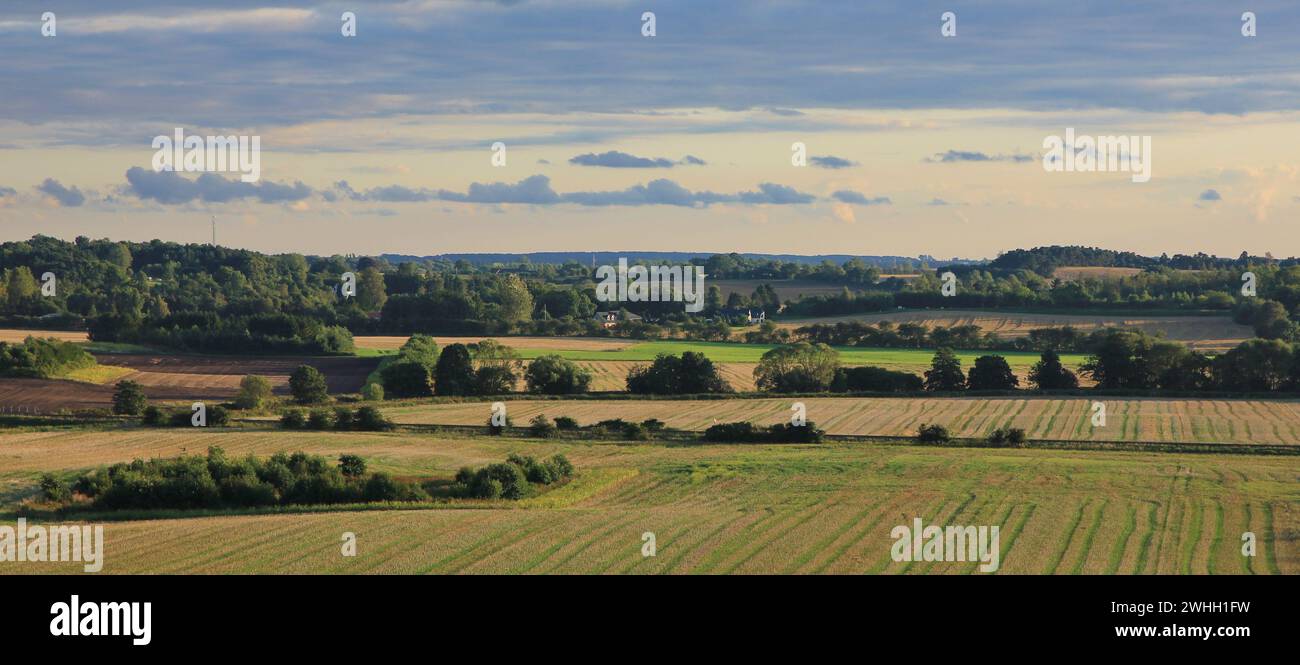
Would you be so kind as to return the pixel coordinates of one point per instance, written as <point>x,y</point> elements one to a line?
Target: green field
<point>713,508</point>
<point>730,352</point>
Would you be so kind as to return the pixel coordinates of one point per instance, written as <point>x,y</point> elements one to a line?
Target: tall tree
<point>945,372</point>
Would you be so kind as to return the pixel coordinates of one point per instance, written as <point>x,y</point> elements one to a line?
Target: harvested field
<point>713,509</point>
<point>14,335</point>
<point>179,378</point>
<point>1135,419</point>
<point>1206,333</point>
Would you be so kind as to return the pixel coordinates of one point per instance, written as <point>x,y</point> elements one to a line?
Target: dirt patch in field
<point>1205,333</point>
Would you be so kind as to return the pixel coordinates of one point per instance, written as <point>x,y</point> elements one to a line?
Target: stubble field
<point>716,509</point>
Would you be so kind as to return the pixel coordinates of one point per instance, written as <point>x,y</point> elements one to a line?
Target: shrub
<point>308,385</point>
<point>653,424</point>
<point>254,391</point>
<point>320,419</point>
<point>876,379</point>
<point>741,431</point>
<point>636,432</point>
<point>351,465</point>
<point>787,433</point>
<point>933,434</point>
<point>218,416</point>
<point>382,487</point>
<point>371,419</point>
<point>53,490</point>
<point>372,392</point>
<point>152,416</point>
<point>1004,436</point>
<point>565,423</point>
<point>129,399</point>
<point>498,430</point>
<point>293,419</point>
<point>541,428</point>
<point>343,418</point>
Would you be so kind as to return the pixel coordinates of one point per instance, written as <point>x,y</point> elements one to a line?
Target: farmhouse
<point>611,319</point>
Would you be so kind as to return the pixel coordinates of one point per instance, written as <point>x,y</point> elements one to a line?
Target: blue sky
<point>681,141</point>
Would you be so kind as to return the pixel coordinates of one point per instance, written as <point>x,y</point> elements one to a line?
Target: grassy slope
<point>716,508</point>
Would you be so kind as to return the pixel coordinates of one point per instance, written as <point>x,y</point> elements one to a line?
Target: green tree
<point>22,289</point>
<point>352,466</point>
<point>406,379</point>
<point>991,373</point>
<point>371,294</point>
<point>254,391</point>
<point>1049,374</point>
<point>516,301</point>
<point>455,372</point>
<point>801,367</point>
<point>554,375</point>
<point>129,399</point>
<point>308,385</point>
<point>945,372</point>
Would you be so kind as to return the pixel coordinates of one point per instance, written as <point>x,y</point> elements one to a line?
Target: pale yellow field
<point>824,508</point>
<point>14,336</point>
<point>1206,333</point>
<point>1160,420</point>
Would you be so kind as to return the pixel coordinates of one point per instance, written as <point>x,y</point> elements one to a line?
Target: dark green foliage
<point>216,481</point>
<point>352,466</point>
<point>1007,436</point>
<point>801,367</point>
<point>293,419</point>
<point>876,379</point>
<point>553,375</point>
<point>933,434</point>
<point>53,490</point>
<point>129,399</point>
<point>565,423</point>
<point>407,379</point>
<point>320,419</point>
<point>371,419</point>
<point>1049,374</point>
<point>747,432</point>
<point>308,385</point>
<point>945,372</point>
<point>42,358</point>
<point>512,479</point>
<point>689,374</point>
<point>343,418</point>
<point>991,373</point>
<point>541,427</point>
<point>455,371</point>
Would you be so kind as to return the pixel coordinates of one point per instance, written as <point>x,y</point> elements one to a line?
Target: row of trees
<point>484,368</point>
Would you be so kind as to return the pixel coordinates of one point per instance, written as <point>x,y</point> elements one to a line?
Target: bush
<point>352,466</point>
<point>308,385</point>
<point>320,419</point>
<point>372,392</point>
<point>498,430</point>
<point>565,423</point>
<point>741,431</point>
<point>343,418</point>
<point>876,379</point>
<point>293,419</point>
<point>691,373</point>
<point>933,434</point>
<point>53,490</point>
<point>801,367</point>
<point>653,424</point>
<point>541,428</point>
<point>152,416</point>
<point>1007,436</point>
<point>254,391</point>
<point>555,375</point>
<point>129,399</point>
<point>218,416</point>
<point>371,419</point>
<point>636,432</point>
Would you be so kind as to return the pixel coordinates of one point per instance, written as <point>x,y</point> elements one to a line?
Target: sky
<point>609,139</point>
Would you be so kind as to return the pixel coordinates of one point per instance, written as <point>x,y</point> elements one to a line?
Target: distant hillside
<point>1045,260</point>
<point>601,258</point>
